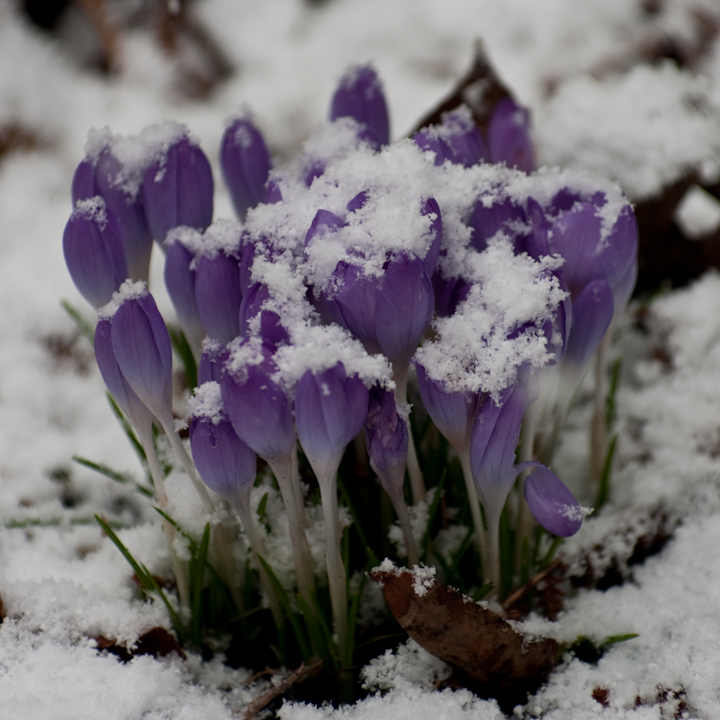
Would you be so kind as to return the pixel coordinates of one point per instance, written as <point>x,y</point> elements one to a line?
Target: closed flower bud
<point>552,504</point>
<point>509,136</point>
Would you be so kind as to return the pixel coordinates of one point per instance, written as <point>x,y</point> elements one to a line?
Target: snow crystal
<point>188,237</point>
<point>129,290</point>
<point>206,402</point>
<point>222,236</point>
<point>698,214</point>
<point>423,579</point>
<point>93,209</point>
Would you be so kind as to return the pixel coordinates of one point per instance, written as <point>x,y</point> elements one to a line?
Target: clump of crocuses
<point>366,267</point>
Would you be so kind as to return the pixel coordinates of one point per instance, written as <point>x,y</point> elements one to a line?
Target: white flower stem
<point>474,502</point>
<point>299,499</point>
<point>337,579</point>
<point>400,373</point>
<point>282,469</point>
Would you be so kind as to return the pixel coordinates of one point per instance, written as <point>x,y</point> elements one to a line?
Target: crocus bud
<point>591,316</point>
<point>330,409</point>
<point>257,406</point>
<point>214,354</point>
<point>225,463</point>
<point>218,295</point>
<point>490,216</point>
<point>457,139</point>
<point>386,437</point>
<point>452,412</point>
<point>552,504</point>
<point>360,96</point>
<point>124,395</point>
<point>93,251</point>
<point>142,347</point>
<point>509,136</point>
<point>268,326</point>
<point>245,163</point>
<point>83,183</point>
<point>180,281</point>
<point>178,190</point>
<point>449,293</point>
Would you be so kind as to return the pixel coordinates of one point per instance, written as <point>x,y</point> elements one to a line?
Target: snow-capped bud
<point>141,344</point>
<point>360,95</point>
<point>330,409</point>
<point>592,313</point>
<point>386,437</point>
<point>457,139</point>
<point>225,463</point>
<point>488,219</point>
<point>256,405</point>
<point>83,183</point>
<point>430,207</point>
<point>509,136</point>
<point>273,194</point>
<point>178,190</point>
<point>218,295</point>
<point>214,354</point>
<point>453,413</point>
<point>449,293</point>
<point>245,163</point>
<point>552,504</point>
<point>269,327</point>
<point>93,251</point>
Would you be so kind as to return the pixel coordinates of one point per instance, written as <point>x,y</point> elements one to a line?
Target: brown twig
<point>302,673</point>
<point>530,584</point>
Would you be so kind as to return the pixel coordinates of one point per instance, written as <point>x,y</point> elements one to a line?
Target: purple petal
<point>258,408</point>
<point>452,412</point>
<point>273,194</point>
<point>271,329</point>
<point>509,136</point>
<point>178,190</point>
<point>93,251</point>
<point>357,202</point>
<point>448,293</point>
<point>180,284</point>
<point>211,362</point>
<point>142,348</point>
<point>245,163</point>
<point>83,182</point>
<point>360,96</point>
<point>485,222</point>
<point>330,410</point>
<point>404,307</point>
<point>218,296</point>
<point>324,222</point>
<point>552,504</point>
<point>225,463</point>
<point>592,313</point>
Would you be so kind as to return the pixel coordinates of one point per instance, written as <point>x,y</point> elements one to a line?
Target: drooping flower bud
<point>552,504</point>
<point>330,409</point>
<point>245,163</point>
<point>93,251</point>
<point>509,136</point>
<point>360,96</point>
<point>178,189</point>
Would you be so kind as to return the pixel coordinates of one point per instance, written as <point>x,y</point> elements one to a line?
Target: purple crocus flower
<point>180,282</point>
<point>93,251</point>
<point>449,293</point>
<point>551,503</point>
<point>360,95</point>
<point>491,216</point>
<point>388,314</point>
<point>225,463</point>
<point>142,349</point>
<point>270,329</point>
<point>218,295</point>
<point>257,406</point>
<point>330,409</point>
<point>214,355</point>
<point>509,136</point>
<point>178,190</point>
<point>101,177</point>
<point>245,163</point>
<point>457,139</point>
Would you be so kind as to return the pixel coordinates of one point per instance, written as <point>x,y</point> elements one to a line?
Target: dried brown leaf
<point>465,634</point>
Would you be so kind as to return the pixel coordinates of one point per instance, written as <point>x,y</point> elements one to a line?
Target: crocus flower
<point>387,440</point>
<point>178,190</point>
<point>509,138</point>
<point>269,327</point>
<point>93,251</point>
<point>214,355</point>
<point>218,295</point>
<point>457,139</point>
<point>245,163</point>
<point>102,177</point>
<point>180,282</point>
<point>551,503</point>
<point>360,95</point>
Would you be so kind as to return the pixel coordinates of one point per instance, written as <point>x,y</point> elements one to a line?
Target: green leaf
<point>124,478</point>
<point>185,353</point>
<point>432,512</point>
<point>83,325</point>
<point>353,514</point>
<point>482,592</point>
<point>604,489</point>
<point>320,637</point>
<point>262,508</point>
<point>550,554</point>
<point>613,639</point>
<point>610,404</point>
<point>197,580</point>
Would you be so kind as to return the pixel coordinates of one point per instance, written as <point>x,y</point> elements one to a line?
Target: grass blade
<point>185,353</point>
<point>108,472</point>
<point>83,325</point>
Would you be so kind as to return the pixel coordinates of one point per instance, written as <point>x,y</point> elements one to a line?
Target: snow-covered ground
<point>594,106</point>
